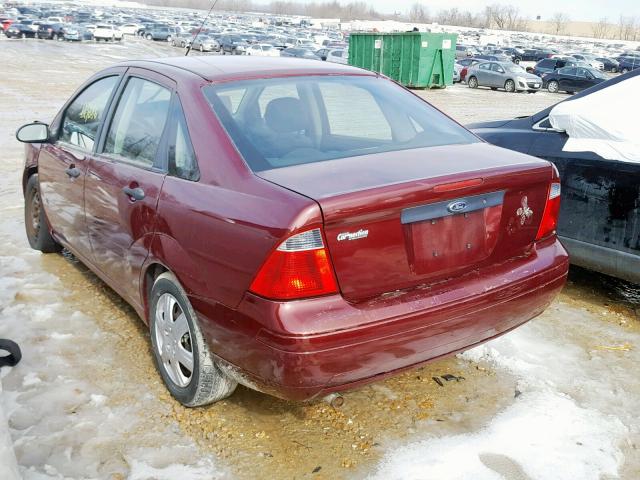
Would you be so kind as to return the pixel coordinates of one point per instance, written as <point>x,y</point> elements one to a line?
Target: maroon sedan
<point>296,226</point>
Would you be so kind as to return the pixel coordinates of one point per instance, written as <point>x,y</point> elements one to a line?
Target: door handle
<point>73,172</point>
<point>134,193</point>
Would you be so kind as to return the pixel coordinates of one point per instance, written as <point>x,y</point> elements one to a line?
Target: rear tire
<point>174,334</point>
<point>35,220</point>
<point>553,86</point>
<point>472,82</point>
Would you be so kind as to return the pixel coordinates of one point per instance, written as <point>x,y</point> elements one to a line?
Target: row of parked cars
<point>557,73</point>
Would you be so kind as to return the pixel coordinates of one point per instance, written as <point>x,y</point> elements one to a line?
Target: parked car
<point>590,60</point>
<point>610,65</point>
<point>514,53</point>
<point>338,56</point>
<point>507,75</point>
<point>182,40</point>
<point>572,79</point>
<point>466,63</point>
<point>322,53</point>
<point>629,63</point>
<point>463,51</point>
<point>298,53</point>
<point>263,50</point>
<point>232,45</point>
<point>50,31</point>
<point>549,65</point>
<point>205,43</point>
<point>19,30</point>
<point>457,68</point>
<point>601,200</point>
<point>130,28</point>
<point>160,33</point>
<point>73,33</point>
<point>108,33</point>
<point>260,265</point>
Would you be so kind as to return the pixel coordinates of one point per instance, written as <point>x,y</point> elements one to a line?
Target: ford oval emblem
<point>457,207</point>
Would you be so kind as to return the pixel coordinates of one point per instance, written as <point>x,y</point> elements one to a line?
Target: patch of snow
<point>556,428</point>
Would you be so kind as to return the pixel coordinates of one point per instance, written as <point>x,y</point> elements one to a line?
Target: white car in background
<point>108,33</point>
<point>130,28</point>
<point>338,55</point>
<point>590,59</point>
<point>263,50</point>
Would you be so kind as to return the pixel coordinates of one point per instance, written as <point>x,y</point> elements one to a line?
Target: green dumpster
<point>415,59</point>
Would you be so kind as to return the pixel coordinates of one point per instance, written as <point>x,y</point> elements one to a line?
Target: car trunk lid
<point>402,219</point>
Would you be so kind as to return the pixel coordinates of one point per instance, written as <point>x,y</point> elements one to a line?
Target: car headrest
<point>285,115</point>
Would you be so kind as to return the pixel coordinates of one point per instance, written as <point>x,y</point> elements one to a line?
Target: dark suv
<point>51,31</point>
<point>232,45</point>
<point>550,65</point>
<point>626,64</point>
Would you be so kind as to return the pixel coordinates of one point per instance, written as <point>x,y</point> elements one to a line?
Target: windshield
<point>281,122</point>
<point>597,73</point>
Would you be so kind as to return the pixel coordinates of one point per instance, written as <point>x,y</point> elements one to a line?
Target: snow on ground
<point>567,421</point>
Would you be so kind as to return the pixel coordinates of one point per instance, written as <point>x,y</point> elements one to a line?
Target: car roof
<point>238,67</point>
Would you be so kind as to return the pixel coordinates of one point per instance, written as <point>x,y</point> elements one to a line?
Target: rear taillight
<point>551,211</point>
<point>299,268</point>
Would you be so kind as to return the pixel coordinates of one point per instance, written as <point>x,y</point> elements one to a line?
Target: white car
<point>130,28</point>
<point>263,50</point>
<point>108,33</point>
<point>338,55</point>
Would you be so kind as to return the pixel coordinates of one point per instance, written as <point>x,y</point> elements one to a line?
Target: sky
<point>578,10</point>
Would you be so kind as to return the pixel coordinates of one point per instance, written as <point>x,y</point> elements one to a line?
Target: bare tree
<point>600,29</point>
<point>559,22</point>
<point>418,13</point>
<point>628,28</point>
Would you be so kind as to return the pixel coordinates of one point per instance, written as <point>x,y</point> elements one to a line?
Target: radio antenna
<point>201,26</point>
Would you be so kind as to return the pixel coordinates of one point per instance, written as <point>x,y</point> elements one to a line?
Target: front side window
<point>84,115</point>
<point>288,121</point>
<point>138,122</point>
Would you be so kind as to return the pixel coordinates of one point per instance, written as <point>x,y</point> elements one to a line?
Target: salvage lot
<point>557,398</point>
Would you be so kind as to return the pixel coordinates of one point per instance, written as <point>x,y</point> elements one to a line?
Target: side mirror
<point>33,133</point>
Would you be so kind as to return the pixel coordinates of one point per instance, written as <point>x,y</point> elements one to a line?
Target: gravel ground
<point>86,401</point>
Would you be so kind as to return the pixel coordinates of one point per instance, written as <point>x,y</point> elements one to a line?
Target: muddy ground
<point>86,400</point>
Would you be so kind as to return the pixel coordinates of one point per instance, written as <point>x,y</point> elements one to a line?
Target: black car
<point>51,31</point>
<point>19,30</point>
<point>610,65</point>
<point>232,45</point>
<point>600,210</point>
<point>549,65</point>
<point>572,79</point>
<point>626,64</point>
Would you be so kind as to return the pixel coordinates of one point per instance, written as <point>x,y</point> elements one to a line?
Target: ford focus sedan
<point>298,227</point>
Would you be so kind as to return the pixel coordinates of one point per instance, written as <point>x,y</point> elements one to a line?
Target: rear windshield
<point>281,122</point>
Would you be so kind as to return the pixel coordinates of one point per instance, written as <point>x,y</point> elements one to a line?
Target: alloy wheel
<point>510,86</point>
<point>553,86</point>
<point>173,339</point>
<point>34,215</point>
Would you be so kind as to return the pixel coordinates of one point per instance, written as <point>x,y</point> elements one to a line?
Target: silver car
<point>507,75</point>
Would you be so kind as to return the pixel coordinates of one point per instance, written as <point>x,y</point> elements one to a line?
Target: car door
<point>484,74</point>
<point>62,164</point>
<point>583,79</point>
<point>497,75</point>
<point>125,177</point>
<point>567,79</point>
<point>600,198</point>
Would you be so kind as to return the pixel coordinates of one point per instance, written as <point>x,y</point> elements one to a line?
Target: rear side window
<point>281,122</point>
<point>182,158</point>
<point>83,116</point>
<point>138,122</point>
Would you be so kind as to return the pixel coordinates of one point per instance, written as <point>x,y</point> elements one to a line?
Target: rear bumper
<point>305,349</point>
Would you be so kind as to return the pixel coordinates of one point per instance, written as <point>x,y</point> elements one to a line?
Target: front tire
<point>35,220</point>
<point>182,355</point>
<point>553,86</point>
<point>472,82</point>
<point>624,70</point>
<point>510,86</point>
